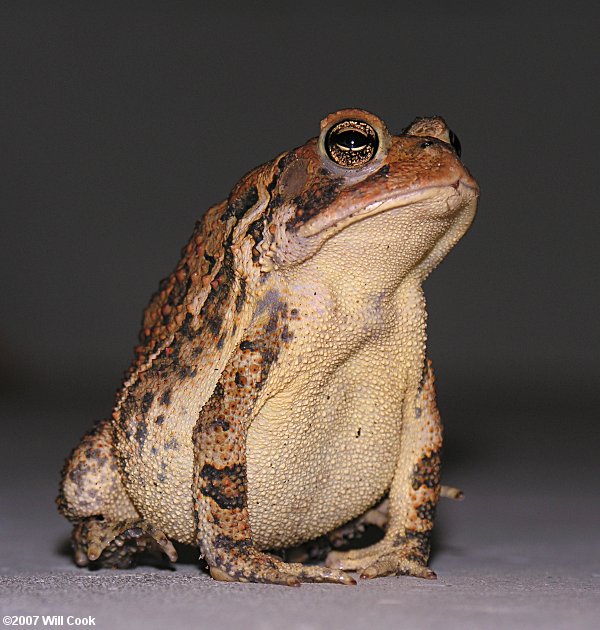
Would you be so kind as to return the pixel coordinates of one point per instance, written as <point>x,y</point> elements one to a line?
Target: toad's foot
<point>251,565</point>
<point>116,544</point>
<point>383,559</point>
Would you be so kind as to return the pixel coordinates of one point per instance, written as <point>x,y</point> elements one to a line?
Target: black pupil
<point>351,143</point>
<point>351,140</point>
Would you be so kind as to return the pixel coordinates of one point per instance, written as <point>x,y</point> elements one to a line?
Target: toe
<point>355,558</point>
<point>165,545</point>
<point>339,560</point>
<point>397,565</point>
<point>324,574</point>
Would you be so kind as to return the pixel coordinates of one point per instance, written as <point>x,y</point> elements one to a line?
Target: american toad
<point>281,387</point>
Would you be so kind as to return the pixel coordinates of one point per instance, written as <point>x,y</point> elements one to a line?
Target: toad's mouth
<point>446,199</point>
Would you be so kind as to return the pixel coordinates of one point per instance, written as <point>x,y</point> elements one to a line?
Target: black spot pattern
<point>225,486</point>
<point>427,472</point>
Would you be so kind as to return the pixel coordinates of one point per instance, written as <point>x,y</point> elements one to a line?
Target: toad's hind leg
<point>108,531</point>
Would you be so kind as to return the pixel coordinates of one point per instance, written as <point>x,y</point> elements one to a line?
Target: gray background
<point>122,123</point>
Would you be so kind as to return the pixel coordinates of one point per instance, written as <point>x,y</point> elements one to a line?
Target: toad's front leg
<point>415,490</point>
<point>220,482</point>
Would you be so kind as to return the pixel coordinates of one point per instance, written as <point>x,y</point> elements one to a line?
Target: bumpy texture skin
<point>281,387</point>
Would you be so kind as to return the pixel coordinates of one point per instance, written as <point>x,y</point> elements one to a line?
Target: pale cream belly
<point>314,461</point>
<point>305,477</point>
<point>320,465</point>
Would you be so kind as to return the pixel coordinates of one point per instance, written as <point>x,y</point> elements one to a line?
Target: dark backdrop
<point>122,123</point>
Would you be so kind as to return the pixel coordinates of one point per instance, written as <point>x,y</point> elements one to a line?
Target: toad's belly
<point>306,476</point>
<point>311,472</point>
<point>316,457</point>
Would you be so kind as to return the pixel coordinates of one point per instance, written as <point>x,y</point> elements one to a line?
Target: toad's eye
<point>454,142</point>
<point>351,143</point>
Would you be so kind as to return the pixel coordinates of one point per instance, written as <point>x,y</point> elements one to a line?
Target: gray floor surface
<point>521,551</point>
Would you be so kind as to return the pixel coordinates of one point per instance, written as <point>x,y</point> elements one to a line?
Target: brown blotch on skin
<point>147,401</point>
<point>225,486</point>
<point>219,391</point>
<point>141,432</point>
<point>427,472</point>
<point>286,334</point>
<point>272,324</point>
<point>123,466</point>
<point>165,399</point>
<point>426,511</point>
<point>214,325</point>
<point>211,261</point>
<point>78,473</point>
<point>187,372</point>
<point>172,444</point>
<point>318,196</point>
<point>381,173</point>
<point>220,423</point>
<point>418,541</point>
<point>226,543</point>
<point>240,380</point>
<point>241,297</point>
<point>239,205</point>
<point>186,327</point>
